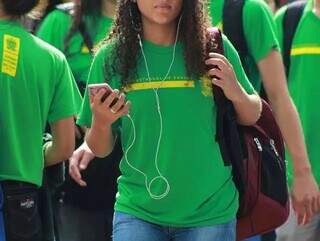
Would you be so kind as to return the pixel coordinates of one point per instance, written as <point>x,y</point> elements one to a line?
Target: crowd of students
<point>151,140</point>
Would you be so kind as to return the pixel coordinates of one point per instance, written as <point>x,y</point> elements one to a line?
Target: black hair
<point>83,8</point>
<point>128,25</point>
<point>18,7</point>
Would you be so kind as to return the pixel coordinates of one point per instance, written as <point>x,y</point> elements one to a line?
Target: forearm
<point>248,109</point>
<point>274,81</point>
<point>100,139</point>
<point>288,120</point>
<point>53,154</point>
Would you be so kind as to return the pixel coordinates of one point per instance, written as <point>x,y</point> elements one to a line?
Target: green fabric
<point>259,31</point>
<point>36,85</point>
<point>303,82</point>
<point>56,26</point>
<point>202,191</point>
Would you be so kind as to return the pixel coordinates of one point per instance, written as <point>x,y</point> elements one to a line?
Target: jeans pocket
<point>22,217</point>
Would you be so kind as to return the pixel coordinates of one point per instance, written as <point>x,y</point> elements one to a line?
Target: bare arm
<point>99,137</point>
<point>305,195</point>
<point>274,81</point>
<point>63,141</point>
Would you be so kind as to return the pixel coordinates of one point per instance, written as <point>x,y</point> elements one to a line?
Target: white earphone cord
<point>160,176</point>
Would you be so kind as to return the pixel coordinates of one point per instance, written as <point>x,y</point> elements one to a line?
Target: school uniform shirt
<point>201,188</point>
<point>303,81</point>
<point>36,85</point>
<point>55,28</point>
<point>259,31</point>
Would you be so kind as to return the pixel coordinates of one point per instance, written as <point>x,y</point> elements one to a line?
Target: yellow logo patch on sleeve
<point>11,49</point>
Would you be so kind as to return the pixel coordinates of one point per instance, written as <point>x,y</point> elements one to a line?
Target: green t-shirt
<point>56,26</point>
<point>303,81</point>
<point>36,85</point>
<point>259,31</point>
<point>202,191</point>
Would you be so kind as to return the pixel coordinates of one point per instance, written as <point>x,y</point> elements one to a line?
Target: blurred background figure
<point>298,26</point>
<point>30,96</point>
<point>76,28</point>
<point>250,27</point>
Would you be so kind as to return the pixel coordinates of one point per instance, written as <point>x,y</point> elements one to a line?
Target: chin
<point>163,20</point>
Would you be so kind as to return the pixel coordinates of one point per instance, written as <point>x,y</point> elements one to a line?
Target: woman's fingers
<point>108,101</point>
<point>125,109</point>
<point>119,104</point>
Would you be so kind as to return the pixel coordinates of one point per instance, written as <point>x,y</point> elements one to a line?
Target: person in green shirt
<point>304,87</point>
<point>264,65</point>
<point>76,28</point>
<point>173,184</point>
<point>30,96</point>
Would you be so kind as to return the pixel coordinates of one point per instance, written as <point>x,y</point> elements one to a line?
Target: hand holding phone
<point>118,103</point>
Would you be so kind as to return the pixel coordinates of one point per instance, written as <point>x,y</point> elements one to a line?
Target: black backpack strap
<point>226,124</point>
<point>68,8</point>
<point>233,27</point>
<point>290,23</point>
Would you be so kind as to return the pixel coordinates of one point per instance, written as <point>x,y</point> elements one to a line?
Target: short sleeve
<point>259,29</point>
<point>234,59</point>
<point>66,100</point>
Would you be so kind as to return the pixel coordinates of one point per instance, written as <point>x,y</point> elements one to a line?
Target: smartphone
<point>95,88</point>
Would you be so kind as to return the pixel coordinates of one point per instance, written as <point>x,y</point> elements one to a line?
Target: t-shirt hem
<point>215,221</point>
<point>38,183</point>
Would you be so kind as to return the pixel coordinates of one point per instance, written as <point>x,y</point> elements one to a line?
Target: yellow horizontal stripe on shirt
<point>160,85</point>
<point>305,50</point>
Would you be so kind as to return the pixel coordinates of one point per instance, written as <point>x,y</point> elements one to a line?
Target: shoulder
<point>280,13</point>
<point>46,51</point>
<point>58,16</point>
<point>259,5</point>
<point>104,50</point>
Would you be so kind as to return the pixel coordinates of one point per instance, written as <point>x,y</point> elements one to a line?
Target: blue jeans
<point>127,227</point>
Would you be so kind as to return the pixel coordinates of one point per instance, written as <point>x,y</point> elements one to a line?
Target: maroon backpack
<point>257,156</point>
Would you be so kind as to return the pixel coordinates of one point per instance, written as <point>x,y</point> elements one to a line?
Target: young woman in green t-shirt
<point>174,185</point>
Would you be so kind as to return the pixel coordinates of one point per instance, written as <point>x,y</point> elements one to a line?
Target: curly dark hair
<point>124,35</point>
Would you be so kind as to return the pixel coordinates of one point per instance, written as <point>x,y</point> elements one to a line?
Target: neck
<point>316,7</point>
<point>108,8</point>
<point>159,34</point>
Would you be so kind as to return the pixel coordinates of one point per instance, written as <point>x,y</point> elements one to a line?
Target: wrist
<point>302,171</point>
<point>102,126</point>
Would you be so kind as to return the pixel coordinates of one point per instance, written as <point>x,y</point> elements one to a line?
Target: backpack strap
<point>68,8</point>
<point>227,133</point>
<point>290,23</point>
<point>233,27</point>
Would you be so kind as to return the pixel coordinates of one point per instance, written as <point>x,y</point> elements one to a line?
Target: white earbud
<point>160,176</point>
